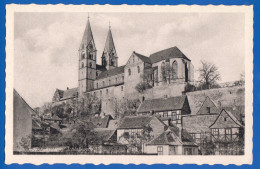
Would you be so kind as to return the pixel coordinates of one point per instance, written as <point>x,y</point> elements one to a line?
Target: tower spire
<point>87,36</point>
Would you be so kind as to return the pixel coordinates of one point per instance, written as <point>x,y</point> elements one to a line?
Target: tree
<point>208,75</point>
<point>88,105</point>
<point>241,81</point>
<point>147,81</point>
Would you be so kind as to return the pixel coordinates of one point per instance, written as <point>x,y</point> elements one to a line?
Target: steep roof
<point>169,53</point>
<point>70,93</point>
<point>166,138</point>
<point>101,122</point>
<point>198,123</point>
<point>134,122</point>
<point>21,105</point>
<point>208,103</point>
<point>87,36</point>
<point>162,104</point>
<point>111,72</point>
<point>220,123</point>
<point>143,58</point>
<point>103,134</point>
<point>109,45</point>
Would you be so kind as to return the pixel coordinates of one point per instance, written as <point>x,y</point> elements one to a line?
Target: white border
<point>125,159</point>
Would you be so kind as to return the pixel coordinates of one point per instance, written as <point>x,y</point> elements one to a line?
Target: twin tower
<point>88,67</point>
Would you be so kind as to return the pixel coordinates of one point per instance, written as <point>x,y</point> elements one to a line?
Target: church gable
<point>208,107</point>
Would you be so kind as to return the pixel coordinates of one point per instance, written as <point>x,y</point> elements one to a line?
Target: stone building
<point>170,70</point>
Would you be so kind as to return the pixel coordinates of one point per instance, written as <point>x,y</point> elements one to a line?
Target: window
<point>122,88</point>
<point>109,82</point>
<point>160,150</point>
<point>225,119</point>
<point>82,65</point>
<point>174,70</point>
<point>116,79</point>
<point>97,85</point>
<point>215,132</point>
<point>103,83</point>
<point>208,110</point>
<point>90,56</point>
<point>138,69</point>
<point>129,72</point>
<point>122,78</point>
<point>100,92</point>
<point>83,56</point>
<point>228,131</point>
<point>107,91</point>
<point>133,59</point>
<point>90,65</point>
<point>165,114</point>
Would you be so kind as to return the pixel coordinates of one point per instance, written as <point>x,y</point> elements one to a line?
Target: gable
<point>208,107</point>
<point>226,120</point>
<point>133,60</point>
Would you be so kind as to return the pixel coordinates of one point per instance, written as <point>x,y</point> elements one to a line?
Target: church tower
<point>109,56</point>
<point>87,61</point>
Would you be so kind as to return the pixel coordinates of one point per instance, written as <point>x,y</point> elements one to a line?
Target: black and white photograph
<point>131,83</point>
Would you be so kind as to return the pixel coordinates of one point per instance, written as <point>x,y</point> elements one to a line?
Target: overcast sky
<point>46,44</point>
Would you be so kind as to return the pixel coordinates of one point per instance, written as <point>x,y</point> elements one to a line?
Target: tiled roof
<point>166,138</point>
<point>101,68</point>
<point>169,53</point>
<point>208,103</point>
<point>162,104</point>
<point>113,124</point>
<point>134,122</point>
<point>226,124</point>
<point>101,122</point>
<point>60,92</point>
<point>198,123</point>
<point>103,134</point>
<point>70,93</point>
<point>111,72</point>
<point>143,58</point>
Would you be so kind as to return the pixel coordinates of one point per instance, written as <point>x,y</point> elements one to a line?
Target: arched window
<point>174,70</point>
<point>129,72</point>
<point>83,56</point>
<point>97,85</point>
<point>111,62</point>
<point>90,65</point>
<point>138,69</point>
<point>82,65</point>
<point>109,82</point>
<point>90,56</point>
<point>103,83</point>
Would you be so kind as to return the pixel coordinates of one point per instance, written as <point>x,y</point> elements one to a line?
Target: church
<point>169,72</point>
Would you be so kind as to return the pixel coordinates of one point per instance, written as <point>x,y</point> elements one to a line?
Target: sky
<point>46,44</point>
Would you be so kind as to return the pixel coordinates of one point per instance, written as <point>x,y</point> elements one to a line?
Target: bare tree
<point>208,75</point>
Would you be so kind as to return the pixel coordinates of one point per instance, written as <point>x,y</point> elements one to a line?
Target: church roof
<point>87,36</point>
<point>165,54</point>
<point>109,45</point>
<point>101,68</point>
<point>143,58</point>
<point>111,72</point>
<point>162,104</point>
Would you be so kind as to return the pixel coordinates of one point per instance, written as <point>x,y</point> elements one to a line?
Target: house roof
<point>166,138</point>
<point>103,134</point>
<point>70,93</point>
<point>218,123</point>
<point>198,123</point>
<point>208,103</point>
<point>143,58</point>
<point>101,68</point>
<point>111,72</point>
<point>101,122</point>
<point>162,104</point>
<point>134,122</point>
<point>113,124</point>
<point>20,102</point>
<point>169,53</point>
